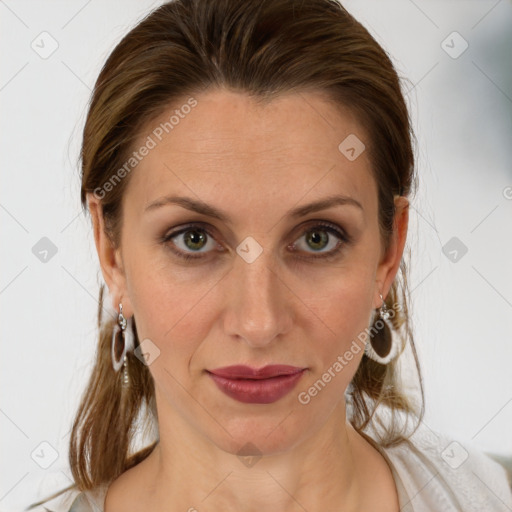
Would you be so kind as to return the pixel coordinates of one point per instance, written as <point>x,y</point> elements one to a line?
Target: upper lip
<point>247,372</point>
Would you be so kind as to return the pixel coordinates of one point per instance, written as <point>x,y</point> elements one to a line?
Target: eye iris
<point>196,237</point>
<point>317,237</point>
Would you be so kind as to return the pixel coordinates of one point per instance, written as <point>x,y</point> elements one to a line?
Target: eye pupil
<point>196,237</point>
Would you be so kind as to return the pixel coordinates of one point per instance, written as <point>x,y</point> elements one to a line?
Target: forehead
<point>230,149</point>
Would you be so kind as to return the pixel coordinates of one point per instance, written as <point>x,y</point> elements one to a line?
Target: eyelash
<point>328,226</point>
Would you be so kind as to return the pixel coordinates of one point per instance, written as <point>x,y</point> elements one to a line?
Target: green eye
<point>322,236</point>
<point>317,239</point>
<point>197,239</point>
<point>190,238</point>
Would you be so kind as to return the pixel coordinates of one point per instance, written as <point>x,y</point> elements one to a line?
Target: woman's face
<point>263,286</point>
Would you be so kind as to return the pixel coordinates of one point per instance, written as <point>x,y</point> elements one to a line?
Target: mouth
<point>256,385</point>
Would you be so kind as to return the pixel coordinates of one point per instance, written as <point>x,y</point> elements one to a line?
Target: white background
<point>462,112</point>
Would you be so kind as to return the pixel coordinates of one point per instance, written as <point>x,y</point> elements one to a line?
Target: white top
<point>431,472</point>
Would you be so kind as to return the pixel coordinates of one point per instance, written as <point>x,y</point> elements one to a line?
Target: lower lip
<point>262,391</point>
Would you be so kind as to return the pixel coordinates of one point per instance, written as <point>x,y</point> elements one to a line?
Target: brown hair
<point>262,47</point>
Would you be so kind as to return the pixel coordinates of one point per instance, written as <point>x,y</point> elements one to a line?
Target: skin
<point>254,162</point>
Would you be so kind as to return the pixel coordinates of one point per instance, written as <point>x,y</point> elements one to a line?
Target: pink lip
<point>256,385</point>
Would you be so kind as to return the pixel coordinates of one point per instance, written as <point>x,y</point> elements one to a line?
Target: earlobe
<point>108,255</point>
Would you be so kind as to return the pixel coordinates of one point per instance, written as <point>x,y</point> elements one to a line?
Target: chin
<point>250,436</point>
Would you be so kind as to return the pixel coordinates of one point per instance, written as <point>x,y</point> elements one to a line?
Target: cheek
<point>338,325</point>
<point>349,309</point>
<point>171,311</point>
<point>344,316</point>
<point>340,301</point>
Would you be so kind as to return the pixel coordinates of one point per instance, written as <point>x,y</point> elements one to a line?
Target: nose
<point>259,306</point>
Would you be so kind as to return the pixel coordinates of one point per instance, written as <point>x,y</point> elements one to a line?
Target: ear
<point>110,258</point>
<point>390,263</point>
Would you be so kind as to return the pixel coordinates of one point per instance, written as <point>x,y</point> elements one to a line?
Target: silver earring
<point>381,346</point>
<point>122,343</point>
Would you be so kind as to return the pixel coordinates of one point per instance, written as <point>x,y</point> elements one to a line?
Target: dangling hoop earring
<point>382,348</point>
<point>122,343</point>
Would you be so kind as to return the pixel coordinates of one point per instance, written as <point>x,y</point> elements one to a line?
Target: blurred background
<point>455,59</point>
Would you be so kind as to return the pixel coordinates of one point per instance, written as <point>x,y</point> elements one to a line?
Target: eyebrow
<point>206,209</point>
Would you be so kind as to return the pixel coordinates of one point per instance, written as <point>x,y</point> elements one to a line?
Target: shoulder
<point>438,471</point>
<point>76,501</point>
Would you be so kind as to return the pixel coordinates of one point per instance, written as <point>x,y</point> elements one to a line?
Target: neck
<point>189,472</point>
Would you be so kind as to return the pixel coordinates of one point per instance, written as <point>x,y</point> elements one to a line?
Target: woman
<point>248,168</point>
